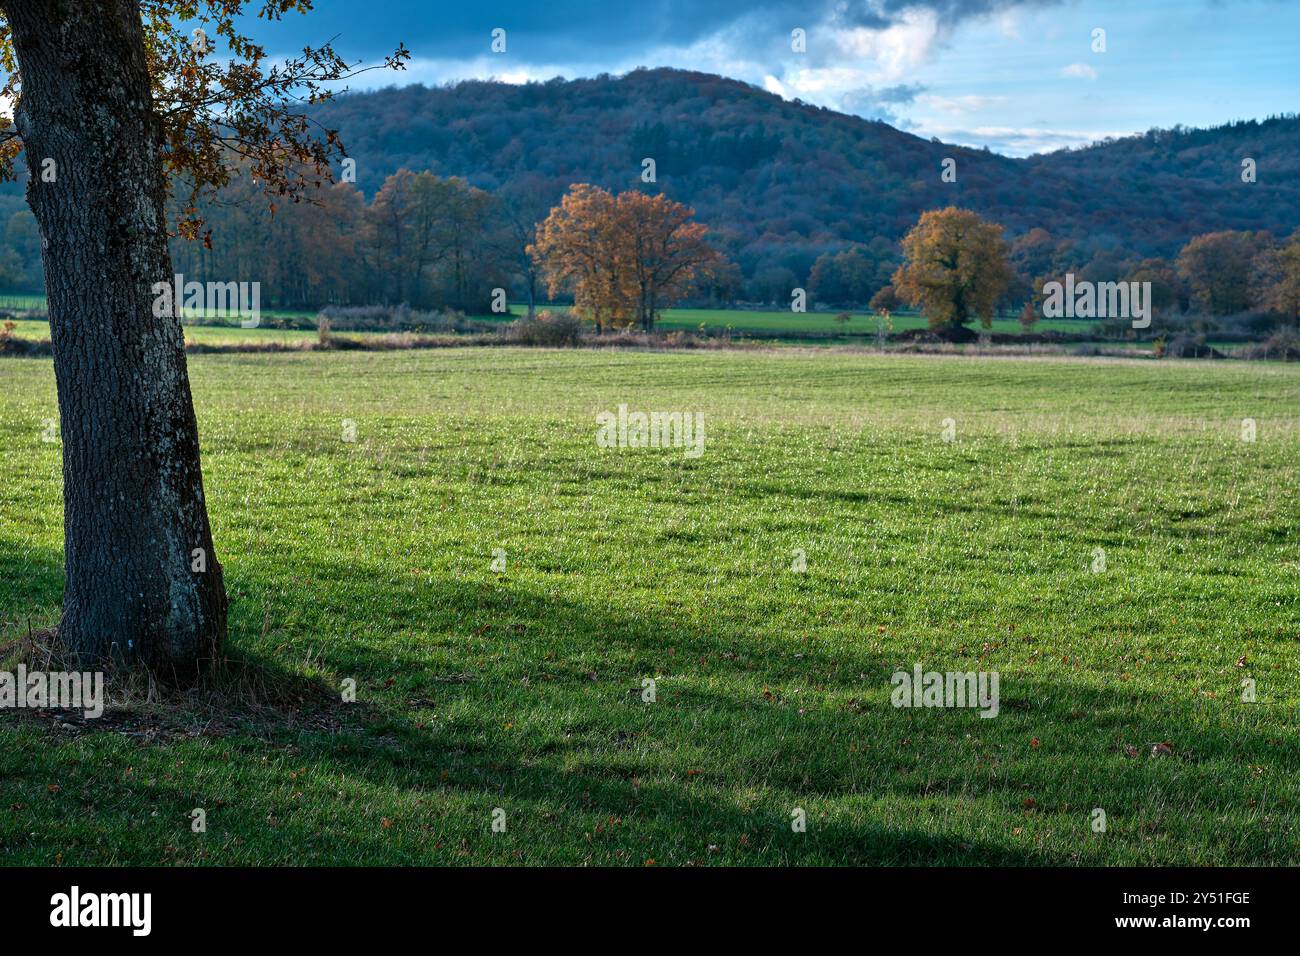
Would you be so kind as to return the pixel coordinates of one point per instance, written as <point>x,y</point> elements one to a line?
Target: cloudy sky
<point>1019,76</point>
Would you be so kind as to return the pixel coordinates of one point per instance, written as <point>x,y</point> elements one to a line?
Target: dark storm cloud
<point>601,33</point>
<point>581,30</point>
<point>878,14</point>
<point>598,32</point>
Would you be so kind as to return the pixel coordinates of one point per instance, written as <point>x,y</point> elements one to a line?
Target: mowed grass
<point>267,331</point>
<point>522,691</point>
<point>861,326</point>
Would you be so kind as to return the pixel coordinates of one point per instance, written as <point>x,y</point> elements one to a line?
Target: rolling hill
<point>783,181</point>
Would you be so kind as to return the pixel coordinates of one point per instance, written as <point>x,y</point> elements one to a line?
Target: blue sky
<point>1019,76</point>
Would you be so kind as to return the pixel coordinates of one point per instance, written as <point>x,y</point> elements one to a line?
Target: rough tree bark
<point>135,521</point>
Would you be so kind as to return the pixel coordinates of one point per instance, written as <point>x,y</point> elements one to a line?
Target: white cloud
<point>1016,140</point>
<point>1079,71</point>
<point>434,71</point>
<point>896,50</point>
<point>959,104</point>
<point>833,81</point>
<point>1008,23</point>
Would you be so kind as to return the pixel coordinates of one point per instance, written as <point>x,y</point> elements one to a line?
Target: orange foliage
<point>624,257</point>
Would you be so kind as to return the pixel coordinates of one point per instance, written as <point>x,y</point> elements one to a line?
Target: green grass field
<point>860,325</point>
<point>858,333</point>
<point>740,321</point>
<point>370,560</point>
<point>37,329</point>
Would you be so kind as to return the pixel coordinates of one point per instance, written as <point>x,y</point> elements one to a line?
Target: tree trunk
<point>142,580</point>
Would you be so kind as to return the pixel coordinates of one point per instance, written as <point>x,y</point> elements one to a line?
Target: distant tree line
<point>794,195</point>
<point>434,242</point>
<point>782,183</point>
<point>422,240</point>
<point>958,267</point>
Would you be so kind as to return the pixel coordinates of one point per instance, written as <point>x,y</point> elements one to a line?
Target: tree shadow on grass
<point>1054,521</point>
<point>242,684</point>
<point>567,725</point>
<point>540,713</point>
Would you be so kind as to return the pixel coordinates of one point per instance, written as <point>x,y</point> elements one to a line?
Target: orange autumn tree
<point>955,268</point>
<point>624,257</point>
<point>578,248</point>
<point>665,249</point>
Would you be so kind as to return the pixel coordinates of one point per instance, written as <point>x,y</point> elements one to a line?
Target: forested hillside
<point>778,183</point>
<point>785,181</point>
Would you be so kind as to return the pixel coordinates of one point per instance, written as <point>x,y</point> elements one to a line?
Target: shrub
<point>1190,345</point>
<point>1184,345</point>
<point>1283,344</point>
<point>548,330</point>
<point>393,318</point>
